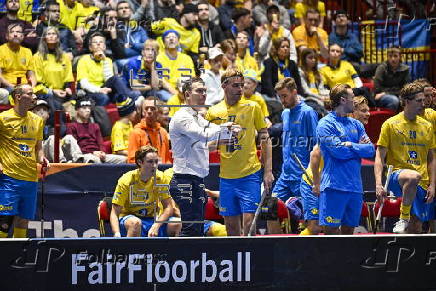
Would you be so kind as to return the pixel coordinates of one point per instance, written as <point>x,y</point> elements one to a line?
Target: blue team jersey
<point>299,137</point>
<point>342,164</point>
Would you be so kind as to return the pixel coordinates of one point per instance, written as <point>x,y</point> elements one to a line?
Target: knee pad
<point>6,222</point>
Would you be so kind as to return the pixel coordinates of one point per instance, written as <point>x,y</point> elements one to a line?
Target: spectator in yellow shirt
<point>228,46</point>
<point>243,59</point>
<point>96,76</point>
<point>251,80</point>
<point>174,63</point>
<point>339,71</point>
<point>53,71</point>
<point>310,35</point>
<point>16,63</point>
<point>189,36</point>
<point>301,9</point>
<point>123,127</point>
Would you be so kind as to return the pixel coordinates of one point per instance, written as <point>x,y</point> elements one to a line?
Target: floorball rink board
<point>258,263</point>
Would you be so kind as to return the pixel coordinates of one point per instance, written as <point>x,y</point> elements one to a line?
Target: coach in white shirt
<point>189,135</point>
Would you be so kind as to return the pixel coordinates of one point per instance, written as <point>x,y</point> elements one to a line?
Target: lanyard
<point>150,140</point>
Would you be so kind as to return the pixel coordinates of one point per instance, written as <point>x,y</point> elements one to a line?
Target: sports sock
<point>405,211</point>
<point>20,232</point>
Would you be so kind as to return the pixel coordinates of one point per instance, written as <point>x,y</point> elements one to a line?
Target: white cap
<point>215,52</point>
<point>41,102</point>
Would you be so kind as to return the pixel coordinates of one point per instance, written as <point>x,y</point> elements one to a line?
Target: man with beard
<point>299,132</point>
<point>16,63</point>
<point>52,14</point>
<point>343,143</point>
<point>20,150</point>
<point>406,142</point>
<point>241,170</point>
<point>30,38</point>
<point>211,34</point>
<point>189,36</point>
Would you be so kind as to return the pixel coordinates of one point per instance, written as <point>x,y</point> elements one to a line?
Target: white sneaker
<point>401,226</point>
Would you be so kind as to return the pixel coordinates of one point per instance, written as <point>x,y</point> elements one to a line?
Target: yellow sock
<point>20,232</point>
<point>3,234</point>
<point>405,211</point>
<point>306,231</point>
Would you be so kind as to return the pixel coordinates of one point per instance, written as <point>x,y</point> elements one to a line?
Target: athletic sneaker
<point>401,226</point>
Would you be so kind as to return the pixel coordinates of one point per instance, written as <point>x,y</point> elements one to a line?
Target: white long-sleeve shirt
<point>189,135</point>
<point>215,92</point>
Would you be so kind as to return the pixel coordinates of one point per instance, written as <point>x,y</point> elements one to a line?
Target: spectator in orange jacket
<point>149,132</point>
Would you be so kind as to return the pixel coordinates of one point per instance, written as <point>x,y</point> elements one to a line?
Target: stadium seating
<point>211,212</point>
<point>284,216</point>
<point>103,214</point>
<point>112,111</point>
<point>376,119</point>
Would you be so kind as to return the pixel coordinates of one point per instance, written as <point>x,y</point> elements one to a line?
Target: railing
<point>428,71</point>
<point>376,37</point>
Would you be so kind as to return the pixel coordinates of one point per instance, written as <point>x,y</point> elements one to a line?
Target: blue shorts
<point>310,202</point>
<point>338,208</point>
<point>284,189</point>
<point>423,211</point>
<point>240,195</point>
<point>146,225</point>
<point>17,197</point>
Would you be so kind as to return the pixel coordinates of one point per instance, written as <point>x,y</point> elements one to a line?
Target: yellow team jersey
<point>189,38</point>
<point>25,11</point>
<point>80,14</point>
<point>259,100</point>
<point>51,74</point>
<point>174,100</point>
<point>343,74</point>
<point>139,198</point>
<point>310,173</point>
<point>15,65</point>
<point>301,9</point>
<point>88,68</point>
<point>239,160</point>
<point>172,69</point>
<point>18,139</point>
<point>247,63</point>
<point>430,116</point>
<point>408,143</point>
<point>302,38</point>
<point>67,13</point>
<point>312,83</point>
<point>120,136</point>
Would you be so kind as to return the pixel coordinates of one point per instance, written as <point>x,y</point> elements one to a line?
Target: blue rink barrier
<point>260,263</point>
<point>72,192</point>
